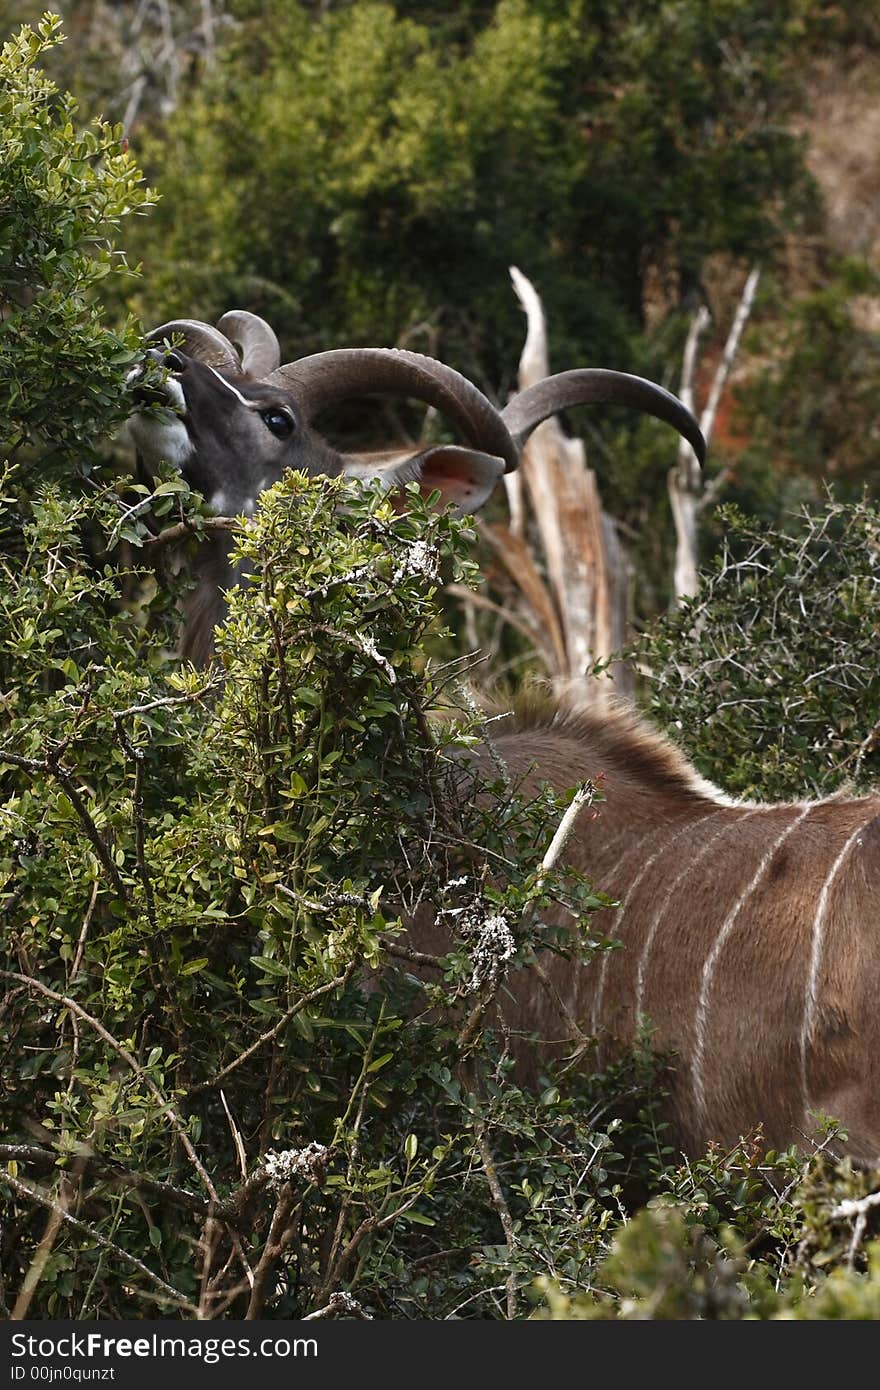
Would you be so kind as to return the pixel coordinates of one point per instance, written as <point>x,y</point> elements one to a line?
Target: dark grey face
<point>230,436</point>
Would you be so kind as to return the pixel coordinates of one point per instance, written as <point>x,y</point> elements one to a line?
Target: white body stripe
<point>715,954</point>
<point>811,1001</point>
<point>664,903</point>
<point>603,971</point>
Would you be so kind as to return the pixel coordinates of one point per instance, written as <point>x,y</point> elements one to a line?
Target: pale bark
<point>688,491</point>
<point>577,608</point>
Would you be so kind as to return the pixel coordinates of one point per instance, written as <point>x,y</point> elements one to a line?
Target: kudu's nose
<point>168,357</point>
<point>154,394</point>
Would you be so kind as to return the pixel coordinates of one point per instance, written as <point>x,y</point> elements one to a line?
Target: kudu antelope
<point>748,931</point>
<point>231,418</point>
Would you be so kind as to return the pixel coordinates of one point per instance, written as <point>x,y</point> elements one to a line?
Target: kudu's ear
<point>465,478</point>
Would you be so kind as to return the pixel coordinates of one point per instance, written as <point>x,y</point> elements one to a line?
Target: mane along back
<point>615,740</point>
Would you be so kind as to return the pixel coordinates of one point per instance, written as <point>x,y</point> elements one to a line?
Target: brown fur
<point>751,933</point>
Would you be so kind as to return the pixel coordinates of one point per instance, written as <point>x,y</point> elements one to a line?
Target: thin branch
<point>503,1210</point>
<point>394,948</point>
<point>131,1062</point>
<point>26,1190</point>
<point>167,700</point>
<point>190,528</point>
<point>338,983</point>
<point>731,347</point>
<point>582,1039</point>
<point>280,1235</point>
<point>368,1227</point>
<point>584,796</point>
<point>688,466</point>
<point>236,1139</point>
<point>334,1265</point>
<point>46,1160</point>
<point>54,1222</point>
<point>855,1206</point>
<point>84,931</point>
<point>65,779</point>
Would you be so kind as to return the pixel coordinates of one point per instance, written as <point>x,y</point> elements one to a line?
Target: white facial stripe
<point>718,946</point>
<point>249,405</point>
<point>811,1004</point>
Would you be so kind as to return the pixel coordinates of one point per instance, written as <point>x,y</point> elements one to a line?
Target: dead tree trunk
<point>586,570</point>
<point>688,492</point>
<point>565,576</point>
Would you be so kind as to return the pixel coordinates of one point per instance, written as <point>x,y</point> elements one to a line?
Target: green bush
<point>63,194</point>
<point>195,877</point>
<point>397,161</point>
<point>769,678</point>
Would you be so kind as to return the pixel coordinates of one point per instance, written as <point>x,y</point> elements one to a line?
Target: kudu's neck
<point>205,605</point>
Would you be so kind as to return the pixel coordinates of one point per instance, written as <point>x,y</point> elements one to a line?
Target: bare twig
<point>236,1139</point>
<point>688,492</point>
<point>131,1062</point>
<point>855,1206</point>
<point>503,1210</point>
<point>57,1212</point>
<point>338,983</point>
<point>36,1194</point>
<point>84,931</point>
<point>584,796</point>
<point>731,348</point>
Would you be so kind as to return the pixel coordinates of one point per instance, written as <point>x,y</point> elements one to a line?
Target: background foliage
<point>200,871</point>
<point>770,676</point>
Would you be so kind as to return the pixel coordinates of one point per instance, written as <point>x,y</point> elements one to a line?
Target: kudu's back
<point>750,936</point>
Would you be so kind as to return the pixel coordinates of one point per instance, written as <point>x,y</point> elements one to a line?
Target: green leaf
<point>193,967</point>
<point>271,967</point>
<point>379,1062</point>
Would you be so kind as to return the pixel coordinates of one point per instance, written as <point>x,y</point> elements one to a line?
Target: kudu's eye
<point>279,422</point>
<point>173,361</point>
